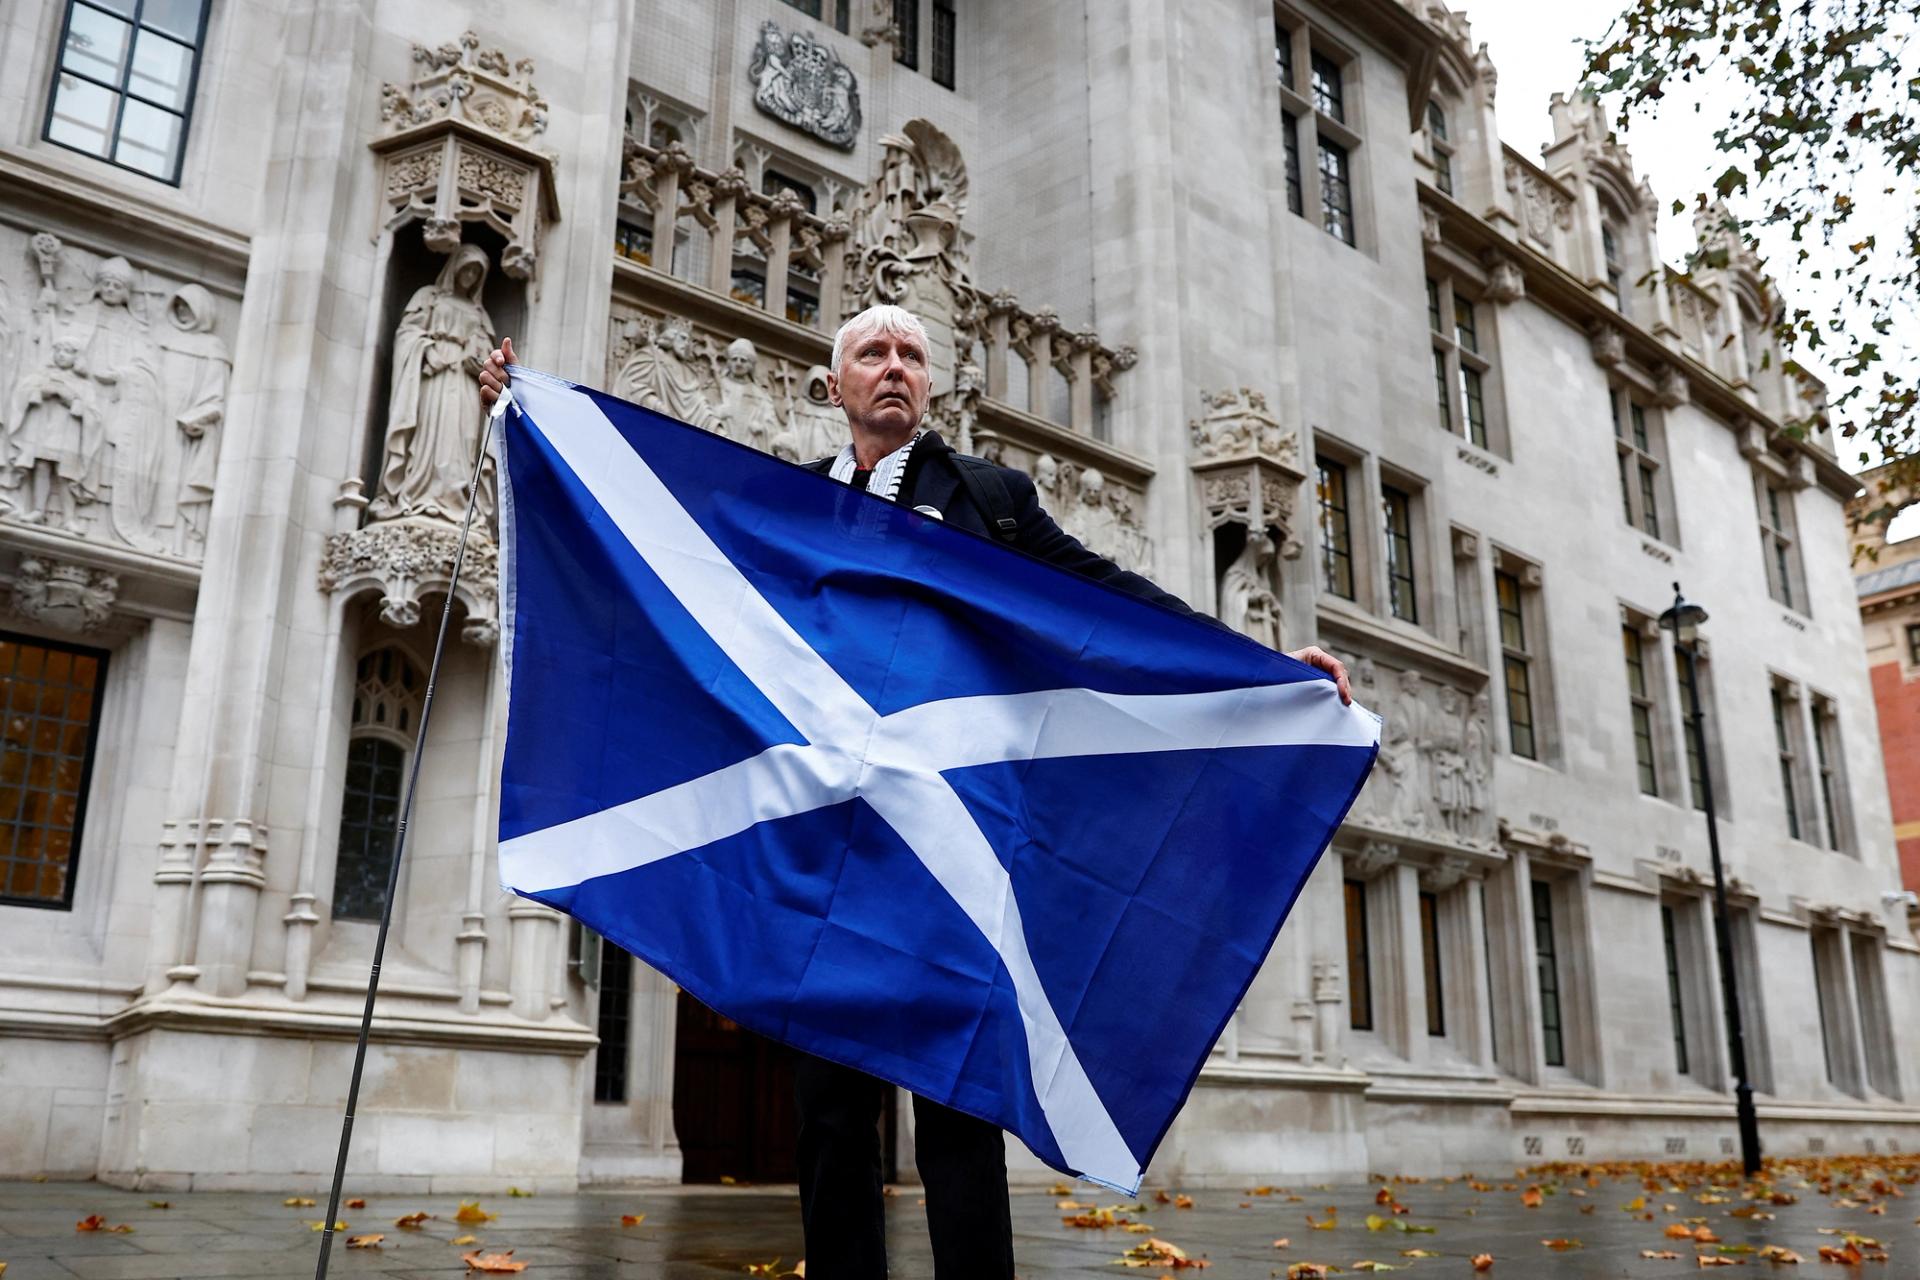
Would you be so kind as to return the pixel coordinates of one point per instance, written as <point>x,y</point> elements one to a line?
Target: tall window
<point>616,1011</point>
<point>1777,542</point>
<point>1826,751</point>
<point>1283,53</point>
<point>1336,530</point>
<point>1870,996</point>
<point>1826,980</point>
<point>1290,126</point>
<point>1675,1007</point>
<point>944,32</point>
<point>386,708</point>
<point>842,16</point>
<point>124,92</point>
<point>1460,361</point>
<point>1691,707</point>
<point>1439,147</point>
<point>1396,513</point>
<point>906,17</point>
<point>51,693</point>
<point>1640,704</point>
<point>1430,964</point>
<point>1610,250</point>
<point>1783,739</point>
<point>1639,460</point>
<point>1547,973</point>
<point>1913,644</point>
<point>1359,969</point>
<point>1516,662</point>
<point>1336,190</point>
<point>1329,90</point>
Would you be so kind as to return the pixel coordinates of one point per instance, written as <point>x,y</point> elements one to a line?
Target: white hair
<point>882,318</point>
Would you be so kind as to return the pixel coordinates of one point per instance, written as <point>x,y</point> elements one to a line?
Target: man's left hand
<point>1314,656</point>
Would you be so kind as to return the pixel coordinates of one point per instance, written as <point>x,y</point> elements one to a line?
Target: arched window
<point>1440,147</point>
<point>386,712</point>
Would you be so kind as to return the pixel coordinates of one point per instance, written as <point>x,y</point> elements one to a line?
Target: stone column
<point>536,932</point>
<point>1477,1038</point>
<point>1401,925</point>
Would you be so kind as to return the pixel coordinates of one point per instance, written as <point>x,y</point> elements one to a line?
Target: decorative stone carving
<point>800,81</point>
<point>1237,424</point>
<point>1372,858</point>
<point>815,428</point>
<point>1673,388</point>
<point>1100,516</point>
<point>1248,602</point>
<point>1434,777</point>
<point>434,409</point>
<point>662,372</point>
<point>405,560</point>
<point>746,412</point>
<point>1447,871</point>
<point>1505,280</point>
<point>458,147</point>
<point>1543,205</point>
<point>1430,231</point>
<point>111,384</point>
<point>71,597</point>
<point>1608,342</point>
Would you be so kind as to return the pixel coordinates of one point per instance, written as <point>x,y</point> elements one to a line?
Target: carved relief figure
<point>1248,602</point>
<point>1099,530</point>
<point>124,360</point>
<point>1446,746</point>
<point>1479,762</point>
<point>802,82</point>
<point>815,429</point>
<point>433,416</point>
<point>54,439</point>
<point>746,412</point>
<point>1399,762</point>
<point>664,376</point>
<point>196,369</point>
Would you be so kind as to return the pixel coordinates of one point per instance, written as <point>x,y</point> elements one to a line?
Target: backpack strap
<point>984,485</point>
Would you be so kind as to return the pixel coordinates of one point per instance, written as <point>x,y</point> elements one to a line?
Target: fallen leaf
<point>1161,1197</point>
<point>413,1220</point>
<point>1679,1231</point>
<point>516,1193</point>
<point>1183,1202</point>
<point>1383,1196</point>
<point>462,1240</point>
<point>298,1202</point>
<point>364,1242</point>
<point>1072,1204</point>
<point>159,1204</point>
<point>1660,1255</point>
<point>502,1263</point>
<point>1714,1260</point>
<point>1284,1242</point>
<point>1368,1264</point>
<point>471,1212</point>
<point>632,1219</point>
<point>1259,1191</point>
<point>1418,1253</point>
<point>1307,1271</point>
<point>1634,1205</point>
<point>1531,1197</point>
<point>1329,1223</point>
<point>728,1180</point>
<point>1704,1235</point>
<point>320,1224</point>
<point>1138,1228</point>
<point>356,1203</point>
<point>1376,1223</point>
<point>1483,1262</point>
<point>1780,1254</point>
<point>3,1268</point>
<point>1059,1189</point>
<point>1562,1245</point>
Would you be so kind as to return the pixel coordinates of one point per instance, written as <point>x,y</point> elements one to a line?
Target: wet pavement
<point>1604,1217</point>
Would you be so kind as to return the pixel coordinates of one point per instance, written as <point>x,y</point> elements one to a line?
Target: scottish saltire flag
<point>890,792</point>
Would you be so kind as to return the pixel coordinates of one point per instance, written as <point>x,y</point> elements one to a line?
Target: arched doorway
<point>733,1108</point>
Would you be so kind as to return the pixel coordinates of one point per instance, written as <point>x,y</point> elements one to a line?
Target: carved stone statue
<point>746,412</point>
<point>124,360</point>
<point>55,439</point>
<point>196,368</point>
<point>1446,755</point>
<point>802,82</point>
<point>1248,602</point>
<point>434,411</point>
<point>1046,480</point>
<point>815,428</point>
<point>664,375</point>
<point>1404,804</point>
<point>1479,764</point>
<point>1098,528</point>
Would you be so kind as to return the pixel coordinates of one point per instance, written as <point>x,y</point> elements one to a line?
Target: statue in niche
<point>196,368</point>
<point>963,406</point>
<point>434,411</point>
<point>1404,805</point>
<point>1446,755</point>
<point>746,410</point>
<point>815,428</point>
<point>1099,528</point>
<point>1248,602</point>
<point>55,439</point>
<point>664,375</point>
<point>124,360</point>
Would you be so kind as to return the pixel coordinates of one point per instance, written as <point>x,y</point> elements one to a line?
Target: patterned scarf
<point>887,473</point>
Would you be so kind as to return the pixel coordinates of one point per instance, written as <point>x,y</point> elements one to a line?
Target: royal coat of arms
<point>800,81</point>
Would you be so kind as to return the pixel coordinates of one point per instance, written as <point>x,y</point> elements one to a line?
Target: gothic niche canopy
<point>800,81</point>
<point>457,146</point>
<point>1248,468</point>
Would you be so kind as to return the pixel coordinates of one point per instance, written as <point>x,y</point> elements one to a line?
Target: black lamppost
<point>1683,619</point>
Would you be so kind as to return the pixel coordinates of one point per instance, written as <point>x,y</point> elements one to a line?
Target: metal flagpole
<point>400,847</point>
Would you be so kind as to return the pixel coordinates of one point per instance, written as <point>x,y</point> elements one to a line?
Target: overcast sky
<point>1533,44</point>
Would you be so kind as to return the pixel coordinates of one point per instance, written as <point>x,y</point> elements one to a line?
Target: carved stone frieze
<point>113,394</point>
<point>71,597</point>
<point>405,560</point>
<point>459,146</point>
<point>802,82</point>
<point>1543,205</point>
<point>1505,280</point>
<point>1246,468</point>
<point>1434,777</point>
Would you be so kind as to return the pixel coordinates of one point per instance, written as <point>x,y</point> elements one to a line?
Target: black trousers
<point>963,1167</point>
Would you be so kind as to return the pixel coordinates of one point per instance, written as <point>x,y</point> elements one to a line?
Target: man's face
<point>112,290</point>
<point>883,382</point>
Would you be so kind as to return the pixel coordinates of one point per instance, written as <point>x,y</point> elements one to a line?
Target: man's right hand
<point>493,374</point>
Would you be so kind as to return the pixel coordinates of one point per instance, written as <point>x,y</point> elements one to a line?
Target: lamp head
<point>1683,618</point>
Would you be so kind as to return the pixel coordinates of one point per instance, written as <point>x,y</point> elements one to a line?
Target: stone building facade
<point>1887,577</point>
<point>1253,289</point>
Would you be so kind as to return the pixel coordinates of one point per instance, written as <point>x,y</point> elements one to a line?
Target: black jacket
<point>933,480</point>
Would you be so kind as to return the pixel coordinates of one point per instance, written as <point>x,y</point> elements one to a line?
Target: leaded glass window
<point>51,703</point>
<point>1336,190</point>
<point>616,1013</point>
<point>1547,975</point>
<point>125,85</point>
<point>1396,511</point>
<point>1359,968</point>
<point>385,718</point>
<point>1336,531</point>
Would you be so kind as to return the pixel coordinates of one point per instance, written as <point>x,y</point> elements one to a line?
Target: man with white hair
<point>879,378</point>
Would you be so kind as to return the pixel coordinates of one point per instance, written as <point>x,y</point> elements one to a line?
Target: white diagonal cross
<point>894,762</point>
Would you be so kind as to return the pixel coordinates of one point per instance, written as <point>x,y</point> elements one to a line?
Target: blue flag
<point>890,792</point>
